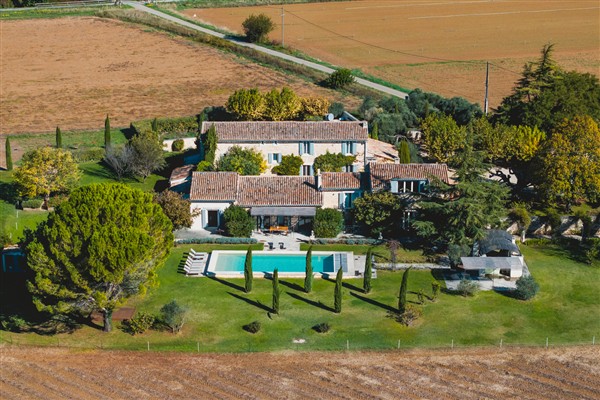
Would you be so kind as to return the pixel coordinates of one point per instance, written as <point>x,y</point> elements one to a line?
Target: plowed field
<point>71,72</point>
<point>517,373</point>
<point>441,45</point>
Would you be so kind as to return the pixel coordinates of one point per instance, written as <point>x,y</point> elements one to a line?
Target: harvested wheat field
<point>71,72</point>
<point>516,373</point>
<point>441,45</point>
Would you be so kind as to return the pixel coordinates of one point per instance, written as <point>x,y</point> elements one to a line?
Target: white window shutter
<point>394,186</point>
<point>311,148</point>
<point>270,157</point>
<point>204,218</point>
<point>341,200</point>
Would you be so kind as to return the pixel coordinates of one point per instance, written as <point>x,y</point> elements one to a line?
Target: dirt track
<point>71,72</point>
<point>557,373</point>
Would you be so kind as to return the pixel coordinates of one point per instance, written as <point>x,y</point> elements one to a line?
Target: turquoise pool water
<point>292,263</point>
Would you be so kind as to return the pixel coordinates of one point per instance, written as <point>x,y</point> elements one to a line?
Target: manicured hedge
<point>32,203</point>
<point>169,128</point>
<point>372,242</point>
<point>87,155</point>
<point>222,240</point>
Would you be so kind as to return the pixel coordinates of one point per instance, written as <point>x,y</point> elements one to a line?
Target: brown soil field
<point>516,373</point>
<point>439,46</point>
<point>71,72</point>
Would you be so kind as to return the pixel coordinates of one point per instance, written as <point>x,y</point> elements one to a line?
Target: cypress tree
<point>375,131</point>
<point>248,271</point>
<point>9,163</point>
<point>58,138</point>
<point>402,296</point>
<point>308,279</point>
<point>404,152</point>
<point>276,291</point>
<point>368,272</point>
<point>337,295</point>
<point>107,138</point>
<point>154,125</point>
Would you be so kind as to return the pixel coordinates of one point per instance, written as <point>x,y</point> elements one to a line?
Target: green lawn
<point>13,221</point>
<point>52,12</point>
<point>381,252</point>
<point>567,310</point>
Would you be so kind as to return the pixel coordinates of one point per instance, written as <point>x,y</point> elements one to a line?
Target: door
<point>213,219</point>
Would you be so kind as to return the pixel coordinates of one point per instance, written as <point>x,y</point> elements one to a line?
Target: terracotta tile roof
<point>381,174</point>
<point>331,181</point>
<point>278,191</point>
<point>382,151</point>
<point>214,186</point>
<point>288,131</point>
<point>181,174</point>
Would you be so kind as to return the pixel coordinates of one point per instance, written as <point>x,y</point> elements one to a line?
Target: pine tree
<point>337,295</point>
<point>404,152</point>
<point>308,279</point>
<point>58,138</point>
<point>402,296</point>
<point>107,138</point>
<point>248,271</point>
<point>368,272</point>
<point>9,163</point>
<point>276,291</point>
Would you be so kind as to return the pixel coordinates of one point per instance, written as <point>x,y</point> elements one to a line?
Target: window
<point>274,158</point>
<point>307,170</point>
<point>345,200</point>
<point>348,147</point>
<point>350,168</point>
<point>306,148</point>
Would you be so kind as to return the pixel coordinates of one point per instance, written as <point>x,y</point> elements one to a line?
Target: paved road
<point>318,67</point>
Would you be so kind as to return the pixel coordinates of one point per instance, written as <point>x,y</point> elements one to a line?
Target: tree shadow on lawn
<point>293,286</point>
<point>352,287</point>
<point>374,302</point>
<point>311,302</point>
<point>252,302</point>
<point>226,283</point>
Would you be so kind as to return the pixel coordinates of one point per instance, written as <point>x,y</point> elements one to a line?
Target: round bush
<point>323,327</point>
<point>527,288</point>
<point>467,287</point>
<point>177,145</point>
<point>252,327</point>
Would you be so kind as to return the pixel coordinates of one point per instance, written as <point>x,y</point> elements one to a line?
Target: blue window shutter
<point>311,148</point>
<point>394,186</point>
<point>270,157</point>
<point>353,147</point>
<point>344,148</point>
<point>279,157</point>
<point>204,218</point>
<point>301,148</point>
<point>312,170</point>
<point>341,199</point>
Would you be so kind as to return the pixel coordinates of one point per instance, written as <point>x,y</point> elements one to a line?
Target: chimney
<point>318,179</point>
<point>396,160</point>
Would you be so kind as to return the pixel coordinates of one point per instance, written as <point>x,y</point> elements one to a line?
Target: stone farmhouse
<point>292,201</point>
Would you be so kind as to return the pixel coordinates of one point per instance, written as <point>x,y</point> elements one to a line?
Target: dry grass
<point>409,42</point>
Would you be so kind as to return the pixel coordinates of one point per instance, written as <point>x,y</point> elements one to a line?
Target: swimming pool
<point>231,263</point>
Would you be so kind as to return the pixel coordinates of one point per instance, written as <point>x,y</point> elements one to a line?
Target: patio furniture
<point>281,246</point>
<point>279,229</point>
<point>271,247</point>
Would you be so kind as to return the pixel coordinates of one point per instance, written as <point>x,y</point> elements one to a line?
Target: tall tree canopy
<point>246,104</point>
<point>175,207</point>
<point>46,170</point>
<point>379,212</point>
<point>281,105</point>
<point>546,95</point>
<point>571,163</point>
<point>442,137</point>
<point>99,247</point>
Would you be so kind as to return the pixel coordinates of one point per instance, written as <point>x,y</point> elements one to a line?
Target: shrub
<point>252,327</point>
<point>591,250</point>
<point>13,323</point>
<point>238,222</point>
<point>257,27</point>
<point>370,242</point>
<point>538,242</point>
<point>421,296</point>
<point>140,323</point>
<point>527,288</point>
<point>32,203</point>
<point>323,327</point>
<point>289,165</point>
<point>410,315</point>
<point>168,128</point>
<point>340,78</point>
<point>554,220</point>
<point>328,222</point>
<point>435,290</point>
<point>177,145</point>
<point>243,161</point>
<point>467,287</point>
<point>173,316</point>
<point>5,240</point>
<point>87,155</point>
<point>57,200</point>
<point>204,166</point>
<point>337,109</point>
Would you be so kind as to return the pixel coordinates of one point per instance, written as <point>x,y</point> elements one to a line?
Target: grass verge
<point>6,15</point>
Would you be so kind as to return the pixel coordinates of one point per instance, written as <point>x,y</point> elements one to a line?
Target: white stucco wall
<point>293,148</point>
<point>188,143</point>
<point>199,221</point>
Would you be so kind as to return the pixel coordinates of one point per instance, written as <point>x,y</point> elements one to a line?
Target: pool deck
<point>355,265</point>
